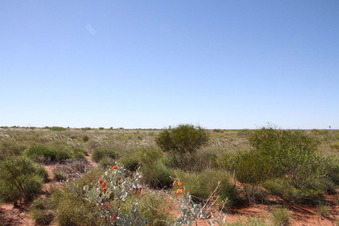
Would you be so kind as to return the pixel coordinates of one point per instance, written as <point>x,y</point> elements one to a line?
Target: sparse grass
<point>281,217</point>
<point>323,210</point>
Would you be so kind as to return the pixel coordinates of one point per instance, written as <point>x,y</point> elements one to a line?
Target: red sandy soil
<point>302,215</point>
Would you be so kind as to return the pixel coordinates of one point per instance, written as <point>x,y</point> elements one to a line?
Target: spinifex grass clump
<point>40,152</point>
<point>20,178</point>
<point>104,152</point>
<point>201,185</point>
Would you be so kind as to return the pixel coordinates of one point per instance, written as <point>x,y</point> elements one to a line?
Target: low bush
<point>60,174</point>
<point>131,163</point>
<point>281,217</point>
<point>182,139</point>
<point>62,151</point>
<point>104,152</point>
<point>202,184</point>
<point>67,204</point>
<point>106,162</point>
<point>10,148</point>
<point>156,175</point>
<point>20,178</point>
<point>40,152</point>
<point>79,153</point>
<point>286,162</point>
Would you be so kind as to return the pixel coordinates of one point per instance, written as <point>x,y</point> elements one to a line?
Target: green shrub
<point>202,184</point>
<point>131,163</point>
<point>10,148</point>
<point>153,206</point>
<point>281,217</point>
<point>40,152</point>
<point>20,178</point>
<point>62,151</point>
<point>157,175</point>
<point>42,217</point>
<point>323,210</point>
<point>106,162</point>
<point>283,187</point>
<point>68,203</point>
<point>79,153</point>
<point>60,174</point>
<point>182,139</point>
<point>102,152</point>
<point>41,213</point>
<point>283,156</point>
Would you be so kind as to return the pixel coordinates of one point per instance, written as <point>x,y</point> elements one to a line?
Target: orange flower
<point>119,182</point>
<point>103,185</point>
<point>179,191</point>
<point>179,183</point>
<point>115,167</point>
<point>101,181</point>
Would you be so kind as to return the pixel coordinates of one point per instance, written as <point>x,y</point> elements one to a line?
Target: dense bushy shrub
<point>131,163</point>
<point>182,139</point>
<point>283,156</point>
<point>157,175</point>
<point>10,148</point>
<point>104,152</point>
<point>40,153</point>
<point>20,178</point>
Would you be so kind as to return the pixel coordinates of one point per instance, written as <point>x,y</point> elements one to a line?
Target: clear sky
<point>150,64</point>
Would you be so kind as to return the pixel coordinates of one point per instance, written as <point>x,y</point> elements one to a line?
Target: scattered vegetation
<point>184,168</point>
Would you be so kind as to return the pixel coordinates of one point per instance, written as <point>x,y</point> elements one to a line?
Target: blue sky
<point>150,64</point>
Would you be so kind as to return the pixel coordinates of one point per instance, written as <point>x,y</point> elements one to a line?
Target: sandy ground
<point>302,215</point>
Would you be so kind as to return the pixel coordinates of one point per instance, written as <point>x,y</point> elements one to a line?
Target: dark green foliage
<point>40,152</point>
<point>56,128</point>
<point>104,152</point>
<point>131,163</point>
<point>85,138</point>
<point>62,151</point>
<point>157,175</point>
<point>182,139</point>
<point>20,178</point>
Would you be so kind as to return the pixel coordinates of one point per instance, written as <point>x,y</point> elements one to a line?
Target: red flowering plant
<point>111,191</point>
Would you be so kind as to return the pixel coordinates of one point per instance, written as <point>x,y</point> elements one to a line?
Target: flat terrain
<point>129,141</point>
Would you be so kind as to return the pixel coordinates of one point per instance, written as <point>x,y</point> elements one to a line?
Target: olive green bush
<point>286,161</point>
<point>182,139</point>
<point>202,184</point>
<point>20,178</point>
<point>104,152</point>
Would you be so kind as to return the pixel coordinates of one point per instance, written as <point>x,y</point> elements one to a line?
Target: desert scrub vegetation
<point>20,178</point>
<point>201,185</point>
<point>181,143</point>
<point>285,162</point>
